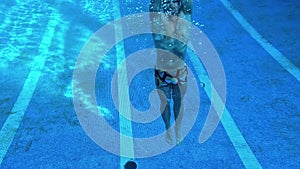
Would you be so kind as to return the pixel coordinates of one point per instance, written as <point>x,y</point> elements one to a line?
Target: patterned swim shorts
<point>164,78</point>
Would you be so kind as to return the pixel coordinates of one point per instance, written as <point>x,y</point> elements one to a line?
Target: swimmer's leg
<point>177,95</point>
<point>165,97</point>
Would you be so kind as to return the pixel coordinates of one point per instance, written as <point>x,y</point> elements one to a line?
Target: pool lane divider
<point>126,140</point>
<point>13,121</point>
<point>275,53</point>
<point>240,144</point>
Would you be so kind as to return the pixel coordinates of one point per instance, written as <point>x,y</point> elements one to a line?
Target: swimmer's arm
<point>154,6</point>
<point>186,14</point>
<point>155,20</point>
<point>187,7</point>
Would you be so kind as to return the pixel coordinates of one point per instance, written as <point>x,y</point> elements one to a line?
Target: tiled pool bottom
<point>46,37</point>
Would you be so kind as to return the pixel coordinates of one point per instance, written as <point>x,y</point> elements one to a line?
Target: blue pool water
<point>40,42</point>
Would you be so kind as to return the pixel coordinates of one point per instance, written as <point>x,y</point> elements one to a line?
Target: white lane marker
<point>126,143</point>
<point>276,54</point>
<point>13,121</point>
<point>235,136</point>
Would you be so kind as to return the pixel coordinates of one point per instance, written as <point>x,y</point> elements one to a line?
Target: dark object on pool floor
<point>130,165</point>
<point>203,84</point>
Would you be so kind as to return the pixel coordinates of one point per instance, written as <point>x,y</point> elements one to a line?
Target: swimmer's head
<point>171,7</point>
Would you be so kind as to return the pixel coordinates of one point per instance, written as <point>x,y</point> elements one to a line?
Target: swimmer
<point>170,69</point>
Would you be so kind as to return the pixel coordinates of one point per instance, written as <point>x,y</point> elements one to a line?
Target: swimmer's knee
<point>165,102</point>
<point>176,96</point>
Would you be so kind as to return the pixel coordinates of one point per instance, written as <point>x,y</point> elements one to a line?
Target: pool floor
<point>41,42</point>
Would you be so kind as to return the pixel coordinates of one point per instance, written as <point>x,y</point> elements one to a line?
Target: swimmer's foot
<point>169,139</point>
<point>178,135</point>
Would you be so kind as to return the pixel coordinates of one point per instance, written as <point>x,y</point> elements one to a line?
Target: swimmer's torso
<point>168,23</point>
